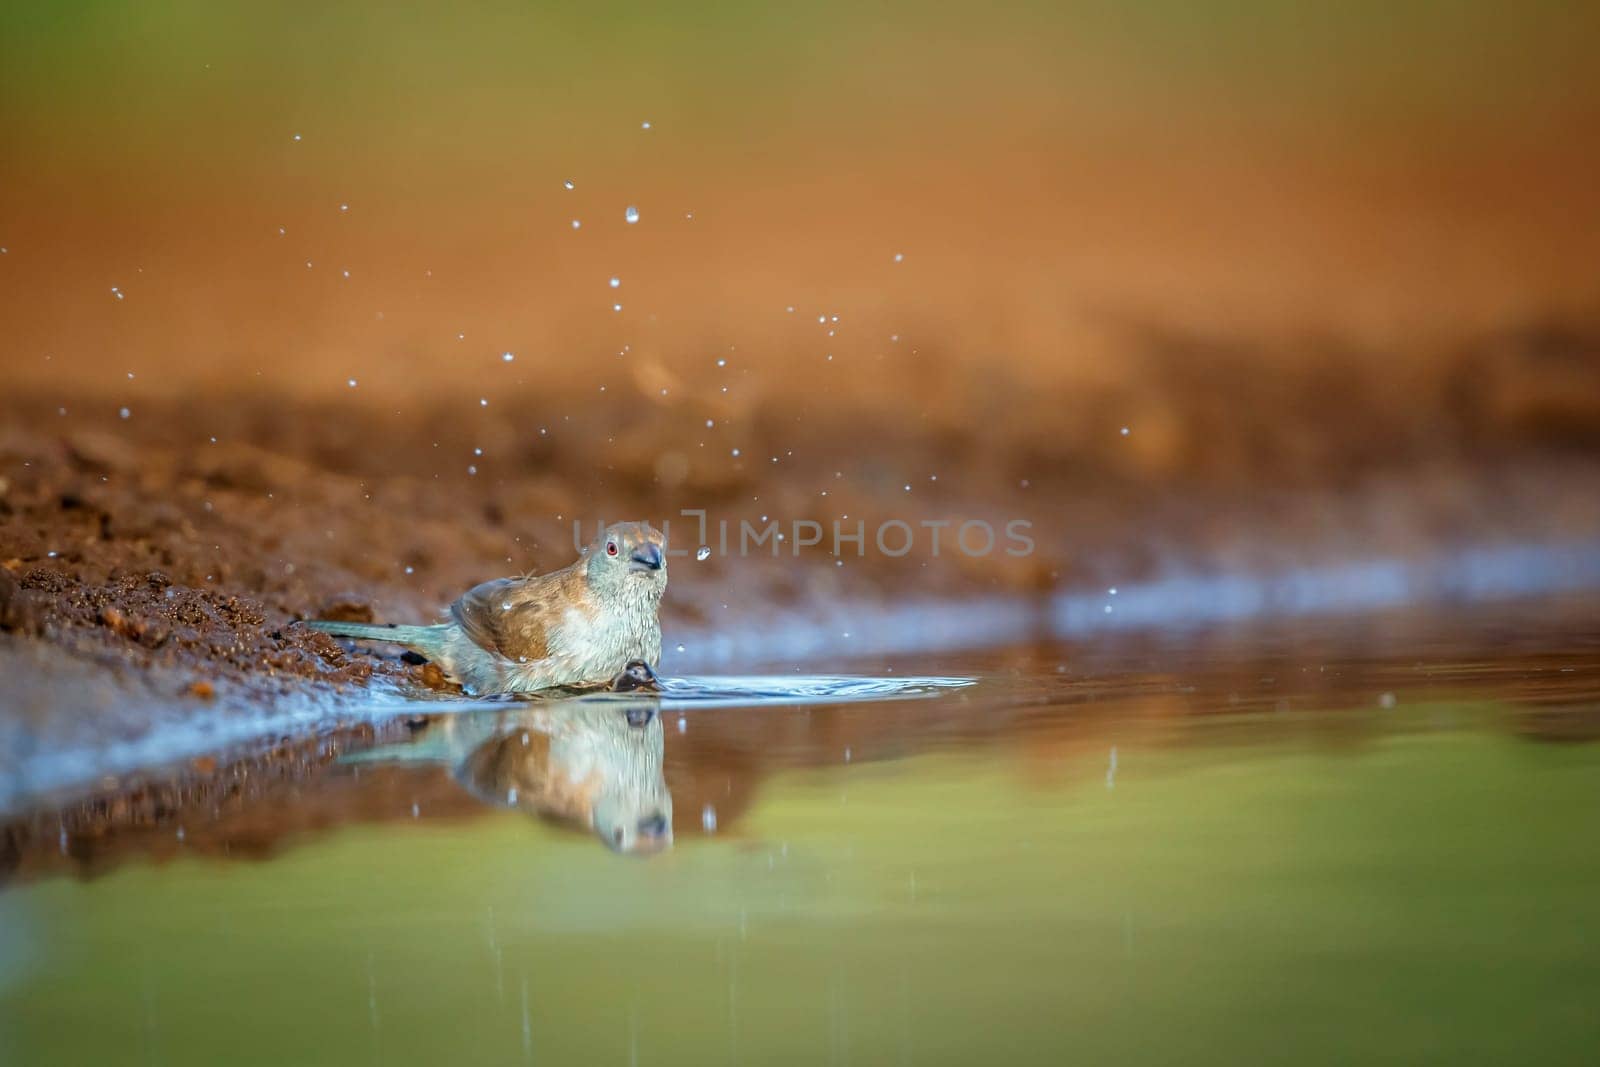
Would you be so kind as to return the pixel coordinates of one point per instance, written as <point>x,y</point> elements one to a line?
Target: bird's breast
<point>604,640</point>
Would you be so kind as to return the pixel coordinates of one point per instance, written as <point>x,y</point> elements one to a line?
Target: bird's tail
<point>425,639</point>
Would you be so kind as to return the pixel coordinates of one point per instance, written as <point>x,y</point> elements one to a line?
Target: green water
<point>1277,868</point>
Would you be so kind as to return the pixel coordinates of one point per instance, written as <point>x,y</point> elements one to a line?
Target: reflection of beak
<point>655,834</point>
<point>651,834</point>
<point>647,557</point>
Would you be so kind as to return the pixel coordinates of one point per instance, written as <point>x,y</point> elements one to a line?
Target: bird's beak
<point>647,557</point>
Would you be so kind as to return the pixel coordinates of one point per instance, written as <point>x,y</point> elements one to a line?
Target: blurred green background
<point>1255,890</point>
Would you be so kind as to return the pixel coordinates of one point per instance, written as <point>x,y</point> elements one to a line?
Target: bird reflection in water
<point>593,762</point>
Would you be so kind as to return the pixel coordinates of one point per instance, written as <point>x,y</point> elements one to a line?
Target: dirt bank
<point>156,553</point>
<point>187,536</point>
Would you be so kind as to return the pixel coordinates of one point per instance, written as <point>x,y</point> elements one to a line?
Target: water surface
<point>1370,841</point>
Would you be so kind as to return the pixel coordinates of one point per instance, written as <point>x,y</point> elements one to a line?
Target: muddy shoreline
<point>1528,666</point>
<point>153,565</point>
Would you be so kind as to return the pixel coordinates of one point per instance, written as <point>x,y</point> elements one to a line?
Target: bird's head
<point>628,557</point>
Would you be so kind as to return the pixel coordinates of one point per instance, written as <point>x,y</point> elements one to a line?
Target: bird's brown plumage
<point>514,616</point>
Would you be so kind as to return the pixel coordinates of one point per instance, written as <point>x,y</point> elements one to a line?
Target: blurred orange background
<point>1396,178</point>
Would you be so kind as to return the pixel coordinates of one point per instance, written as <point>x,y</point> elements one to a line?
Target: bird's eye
<point>611,548</point>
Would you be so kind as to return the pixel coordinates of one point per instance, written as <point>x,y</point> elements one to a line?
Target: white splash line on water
<point>787,689</point>
<point>169,740</point>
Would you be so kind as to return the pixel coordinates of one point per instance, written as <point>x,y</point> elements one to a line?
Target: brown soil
<point>188,537</point>
<point>160,561</point>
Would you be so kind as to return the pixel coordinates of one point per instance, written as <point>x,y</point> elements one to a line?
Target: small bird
<point>581,625</point>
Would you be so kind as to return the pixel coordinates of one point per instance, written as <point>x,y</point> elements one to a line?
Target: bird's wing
<point>515,616</point>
